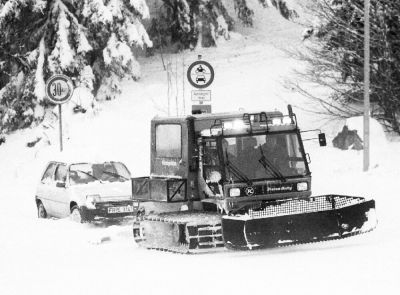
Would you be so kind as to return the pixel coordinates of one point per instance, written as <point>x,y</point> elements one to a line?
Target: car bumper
<point>102,210</point>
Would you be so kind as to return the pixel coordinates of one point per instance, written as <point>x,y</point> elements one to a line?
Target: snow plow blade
<point>298,221</point>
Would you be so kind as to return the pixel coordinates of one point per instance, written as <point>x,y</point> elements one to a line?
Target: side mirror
<point>290,110</point>
<point>60,184</point>
<point>322,139</point>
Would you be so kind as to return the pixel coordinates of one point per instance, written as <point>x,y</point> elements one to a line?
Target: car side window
<point>48,175</point>
<point>61,173</point>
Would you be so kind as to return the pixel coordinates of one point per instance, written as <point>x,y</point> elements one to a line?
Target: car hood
<point>108,191</point>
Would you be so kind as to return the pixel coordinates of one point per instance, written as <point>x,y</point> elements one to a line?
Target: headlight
<point>91,201</point>
<point>302,186</point>
<point>287,120</point>
<point>277,121</point>
<point>234,192</point>
<point>238,125</point>
<point>215,131</point>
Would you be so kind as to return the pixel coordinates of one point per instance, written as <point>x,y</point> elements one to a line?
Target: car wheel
<point>76,215</point>
<point>41,210</point>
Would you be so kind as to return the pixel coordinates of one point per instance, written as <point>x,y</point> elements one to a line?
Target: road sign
<point>198,109</point>
<point>201,95</point>
<point>59,89</point>
<point>200,74</point>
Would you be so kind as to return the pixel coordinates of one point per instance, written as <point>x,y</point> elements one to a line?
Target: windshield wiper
<point>87,173</point>
<point>269,167</point>
<point>235,171</point>
<point>115,174</point>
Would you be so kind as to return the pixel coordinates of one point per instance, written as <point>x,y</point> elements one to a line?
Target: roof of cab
<point>208,116</point>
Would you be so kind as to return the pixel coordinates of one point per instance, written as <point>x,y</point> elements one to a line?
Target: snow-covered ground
<point>60,257</point>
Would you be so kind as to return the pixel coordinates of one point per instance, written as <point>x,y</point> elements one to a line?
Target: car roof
<point>75,158</point>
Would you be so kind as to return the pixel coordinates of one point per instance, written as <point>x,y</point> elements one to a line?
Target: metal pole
<point>183,83</point>
<point>60,124</point>
<point>366,83</point>
<point>169,86</point>
<point>176,86</point>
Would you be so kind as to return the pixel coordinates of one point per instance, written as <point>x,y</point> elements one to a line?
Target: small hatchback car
<point>85,191</point>
<point>200,78</point>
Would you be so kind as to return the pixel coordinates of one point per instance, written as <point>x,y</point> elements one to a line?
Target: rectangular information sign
<point>198,109</point>
<point>201,95</point>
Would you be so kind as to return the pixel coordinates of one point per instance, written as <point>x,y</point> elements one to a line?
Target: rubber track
<point>188,219</point>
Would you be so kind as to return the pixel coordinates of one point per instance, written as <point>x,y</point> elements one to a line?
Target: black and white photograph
<point>199,147</point>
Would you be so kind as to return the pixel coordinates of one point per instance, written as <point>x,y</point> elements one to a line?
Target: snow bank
<point>378,141</point>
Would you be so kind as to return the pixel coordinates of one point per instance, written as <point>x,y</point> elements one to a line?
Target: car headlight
<point>91,201</point>
<point>302,186</point>
<point>234,192</point>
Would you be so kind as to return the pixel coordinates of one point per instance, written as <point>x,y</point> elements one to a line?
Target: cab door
<point>169,149</point>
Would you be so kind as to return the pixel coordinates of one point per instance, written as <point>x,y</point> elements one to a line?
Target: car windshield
<point>84,173</point>
<point>263,156</point>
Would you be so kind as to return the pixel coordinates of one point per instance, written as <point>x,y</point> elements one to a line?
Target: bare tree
<point>334,54</point>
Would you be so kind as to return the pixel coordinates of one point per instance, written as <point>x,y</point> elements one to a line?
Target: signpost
<point>366,83</point>
<point>200,75</point>
<point>59,90</point>
<point>201,95</point>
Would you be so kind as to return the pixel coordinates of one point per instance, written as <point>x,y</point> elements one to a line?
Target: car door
<point>60,191</point>
<point>46,187</point>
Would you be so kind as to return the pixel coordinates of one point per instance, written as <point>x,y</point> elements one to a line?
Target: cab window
<point>211,163</point>
<point>168,141</point>
<point>210,157</point>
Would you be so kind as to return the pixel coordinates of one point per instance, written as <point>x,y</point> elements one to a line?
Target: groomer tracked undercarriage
<point>240,181</point>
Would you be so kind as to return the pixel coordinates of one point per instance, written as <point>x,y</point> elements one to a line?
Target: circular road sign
<point>200,74</point>
<point>59,89</point>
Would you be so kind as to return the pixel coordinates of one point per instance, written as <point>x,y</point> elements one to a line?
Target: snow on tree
<point>336,58</point>
<point>283,8</point>
<point>89,40</point>
<point>186,23</point>
<point>245,14</point>
<point>116,27</point>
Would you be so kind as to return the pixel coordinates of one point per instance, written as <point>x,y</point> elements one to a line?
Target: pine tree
<point>283,8</point>
<point>184,22</point>
<point>244,13</point>
<point>90,40</point>
<point>189,23</point>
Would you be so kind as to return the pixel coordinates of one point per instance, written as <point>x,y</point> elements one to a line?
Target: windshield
<point>263,156</point>
<point>84,173</point>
